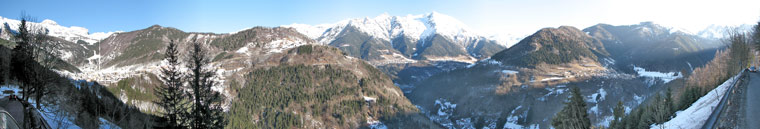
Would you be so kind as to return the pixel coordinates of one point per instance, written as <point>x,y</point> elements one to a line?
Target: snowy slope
<point>665,77</point>
<point>73,33</point>
<point>696,115</point>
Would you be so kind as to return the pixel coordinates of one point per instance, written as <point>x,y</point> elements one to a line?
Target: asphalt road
<point>15,108</point>
<point>753,102</point>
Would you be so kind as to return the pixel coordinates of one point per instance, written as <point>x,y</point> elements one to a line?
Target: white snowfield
<point>73,33</point>
<point>696,115</point>
<point>665,77</point>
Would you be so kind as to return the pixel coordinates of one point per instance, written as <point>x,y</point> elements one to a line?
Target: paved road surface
<point>753,102</point>
<point>15,108</point>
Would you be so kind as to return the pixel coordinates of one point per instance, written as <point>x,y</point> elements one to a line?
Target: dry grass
<point>547,75</point>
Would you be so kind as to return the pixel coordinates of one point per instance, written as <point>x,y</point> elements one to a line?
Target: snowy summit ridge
<point>72,34</point>
<point>388,27</point>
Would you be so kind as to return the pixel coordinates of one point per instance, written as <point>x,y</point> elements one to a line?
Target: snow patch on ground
<point>552,78</point>
<point>605,122</point>
<point>446,107</point>
<point>471,65</point>
<point>278,46</point>
<point>242,50</point>
<point>555,91</point>
<point>595,110</point>
<point>391,58</point>
<point>94,57</point>
<point>638,99</point>
<point>665,77</point>
<point>597,97</point>
<point>65,55</point>
<point>375,124</point>
<point>105,124</point>
<point>444,112</point>
<point>696,115</point>
<point>513,119</point>
<point>465,59</point>
<point>487,61</point>
<point>509,72</point>
<point>369,99</point>
<point>465,123</point>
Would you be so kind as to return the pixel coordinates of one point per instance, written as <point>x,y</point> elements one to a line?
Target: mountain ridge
<point>71,34</point>
<point>410,36</point>
<point>552,46</point>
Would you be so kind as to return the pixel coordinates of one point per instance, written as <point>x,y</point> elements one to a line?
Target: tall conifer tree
<point>207,110</point>
<point>574,115</point>
<point>172,93</point>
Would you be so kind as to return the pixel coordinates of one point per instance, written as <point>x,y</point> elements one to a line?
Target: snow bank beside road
<point>696,115</point>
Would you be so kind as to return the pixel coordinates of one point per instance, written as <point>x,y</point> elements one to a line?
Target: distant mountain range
<point>402,39</point>
<point>520,87</point>
<point>484,64</point>
<point>649,44</point>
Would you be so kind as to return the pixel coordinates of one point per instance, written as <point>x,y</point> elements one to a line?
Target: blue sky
<point>519,16</point>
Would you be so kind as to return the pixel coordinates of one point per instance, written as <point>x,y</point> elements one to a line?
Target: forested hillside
<point>332,95</point>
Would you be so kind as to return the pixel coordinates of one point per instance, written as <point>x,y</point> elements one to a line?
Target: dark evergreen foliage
<point>270,91</point>
<point>305,49</point>
<point>658,110</point>
<point>206,109</point>
<point>618,113</point>
<point>25,65</point>
<point>172,93</point>
<point>574,115</point>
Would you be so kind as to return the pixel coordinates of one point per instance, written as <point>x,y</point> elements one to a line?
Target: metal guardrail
<point>712,121</point>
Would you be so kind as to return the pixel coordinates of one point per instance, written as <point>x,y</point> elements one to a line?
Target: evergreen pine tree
<point>669,109</point>
<point>206,106</point>
<point>574,115</point>
<point>31,48</point>
<point>659,109</point>
<point>21,56</point>
<point>618,114</point>
<point>171,94</point>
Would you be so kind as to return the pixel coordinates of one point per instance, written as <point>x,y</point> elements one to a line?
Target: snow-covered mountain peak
<point>506,39</point>
<point>719,31</point>
<point>387,27</point>
<point>49,22</point>
<point>312,32</point>
<point>73,33</point>
<point>448,26</point>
